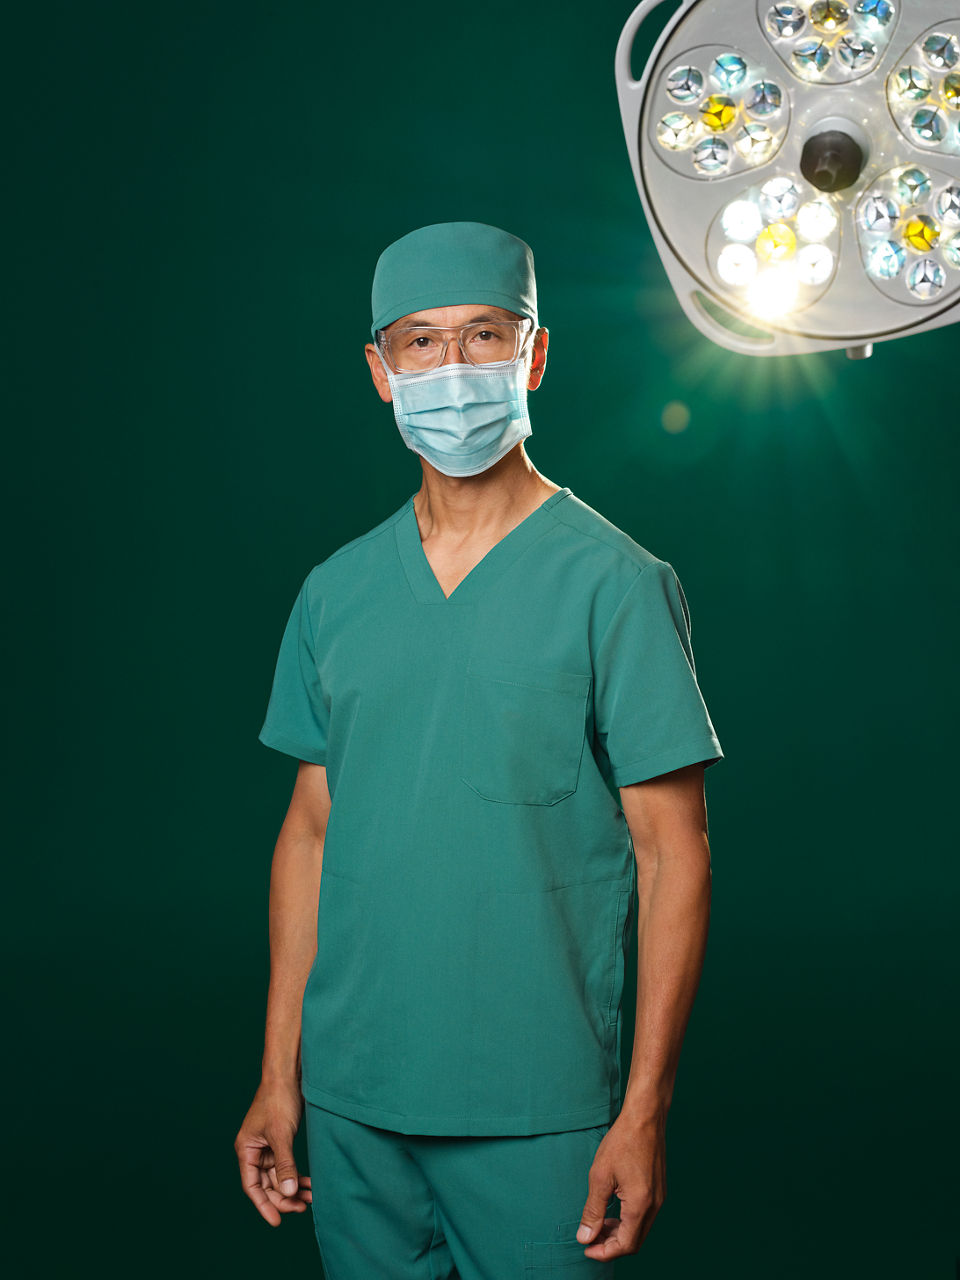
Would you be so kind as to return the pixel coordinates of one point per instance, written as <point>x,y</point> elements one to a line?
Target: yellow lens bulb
<point>921,233</point>
<point>718,113</point>
<point>776,243</point>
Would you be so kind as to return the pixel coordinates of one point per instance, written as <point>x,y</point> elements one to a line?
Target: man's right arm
<point>264,1144</point>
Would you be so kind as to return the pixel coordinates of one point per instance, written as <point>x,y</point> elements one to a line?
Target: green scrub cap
<point>449,264</point>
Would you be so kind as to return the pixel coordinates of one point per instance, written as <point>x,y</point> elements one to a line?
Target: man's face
<point>451,319</point>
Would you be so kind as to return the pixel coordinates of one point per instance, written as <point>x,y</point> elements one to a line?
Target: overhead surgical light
<point>799,166</point>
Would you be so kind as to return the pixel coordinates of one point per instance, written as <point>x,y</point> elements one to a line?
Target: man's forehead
<point>465,313</point>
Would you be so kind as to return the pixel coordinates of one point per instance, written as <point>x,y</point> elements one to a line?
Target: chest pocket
<point>522,731</point>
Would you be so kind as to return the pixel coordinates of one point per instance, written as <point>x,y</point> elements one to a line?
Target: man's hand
<point>631,1164</point>
<point>264,1147</point>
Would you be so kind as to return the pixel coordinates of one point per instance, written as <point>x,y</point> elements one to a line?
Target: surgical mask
<point>462,417</point>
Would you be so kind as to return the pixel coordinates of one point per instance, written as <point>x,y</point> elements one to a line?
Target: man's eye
<point>486,335</point>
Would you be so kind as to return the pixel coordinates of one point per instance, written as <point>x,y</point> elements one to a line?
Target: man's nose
<point>453,354</point>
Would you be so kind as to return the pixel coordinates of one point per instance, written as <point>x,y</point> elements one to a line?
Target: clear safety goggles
<point>416,348</point>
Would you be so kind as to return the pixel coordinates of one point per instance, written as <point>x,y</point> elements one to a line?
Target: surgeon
<point>501,743</point>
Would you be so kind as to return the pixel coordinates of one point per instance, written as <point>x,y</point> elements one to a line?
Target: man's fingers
<point>284,1169</point>
<point>592,1218</point>
<point>250,1174</point>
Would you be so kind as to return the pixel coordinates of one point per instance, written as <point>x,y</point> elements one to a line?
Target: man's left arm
<point>667,820</point>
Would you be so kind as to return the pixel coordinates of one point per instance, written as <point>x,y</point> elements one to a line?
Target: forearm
<point>672,923</point>
<point>294,895</point>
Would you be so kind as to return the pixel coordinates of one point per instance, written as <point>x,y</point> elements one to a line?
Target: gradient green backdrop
<point>201,192</point>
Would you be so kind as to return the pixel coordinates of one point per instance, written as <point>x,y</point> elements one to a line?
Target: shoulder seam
<point>361,538</point>
<point>606,543</point>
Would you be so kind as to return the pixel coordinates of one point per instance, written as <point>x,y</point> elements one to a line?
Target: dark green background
<point>201,191</point>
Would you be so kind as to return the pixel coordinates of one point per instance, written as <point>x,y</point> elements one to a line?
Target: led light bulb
<point>776,243</point>
<point>951,91</point>
<point>754,142</point>
<point>684,84</point>
<point>856,52</point>
<point>736,264</point>
<point>878,215</point>
<point>810,57</point>
<point>718,112</point>
<point>921,233</point>
<point>785,20</point>
<point>941,51</point>
<point>676,131</point>
<point>911,83</point>
<point>779,198</point>
<point>928,125</point>
<point>829,15</point>
<point>885,261</point>
<point>816,220</point>
<point>741,220</point>
<point>728,71</point>
<point>763,98</point>
<point>951,251</point>
<point>814,264</point>
<point>712,155</point>
<point>876,14</point>
<point>948,206</point>
<point>913,186</point>
<point>926,278</point>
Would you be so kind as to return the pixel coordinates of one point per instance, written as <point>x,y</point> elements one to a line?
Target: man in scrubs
<point>501,746</point>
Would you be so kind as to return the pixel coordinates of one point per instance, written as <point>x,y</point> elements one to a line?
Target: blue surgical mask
<point>462,417</point>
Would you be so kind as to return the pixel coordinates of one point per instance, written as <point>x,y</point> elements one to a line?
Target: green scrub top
<point>478,882</point>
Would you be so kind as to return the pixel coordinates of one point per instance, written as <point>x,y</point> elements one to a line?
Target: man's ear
<point>377,372</point>
<point>539,362</point>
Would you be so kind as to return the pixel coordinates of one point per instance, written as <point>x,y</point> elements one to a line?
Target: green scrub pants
<point>398,1206</point>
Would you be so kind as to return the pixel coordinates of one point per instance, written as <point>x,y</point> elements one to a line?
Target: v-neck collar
<point>416,566</point>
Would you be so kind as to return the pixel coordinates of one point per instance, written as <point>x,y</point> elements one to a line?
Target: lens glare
<point>774,292</point>
<point>926,278</point>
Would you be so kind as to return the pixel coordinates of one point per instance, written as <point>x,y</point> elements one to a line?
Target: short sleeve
<point>297,716</point>
<point>650,715</point>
